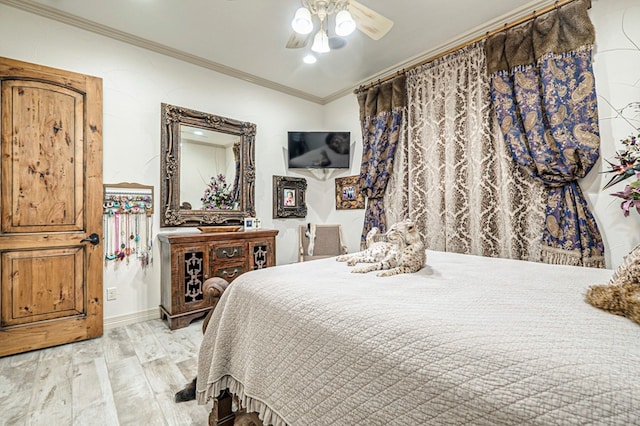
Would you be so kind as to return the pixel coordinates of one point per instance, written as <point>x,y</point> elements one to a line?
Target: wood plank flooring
<point>126,377</point>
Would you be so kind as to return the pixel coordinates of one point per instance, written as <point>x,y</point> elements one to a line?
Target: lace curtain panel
<point>453,173</point>
<point>543,91</point>
<point>381,116</point>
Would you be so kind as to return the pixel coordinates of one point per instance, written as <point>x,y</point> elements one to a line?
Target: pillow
<point>628,271</point>
<point>622,295</point>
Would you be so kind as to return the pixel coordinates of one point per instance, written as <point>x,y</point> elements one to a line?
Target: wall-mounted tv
<point>319,150</point>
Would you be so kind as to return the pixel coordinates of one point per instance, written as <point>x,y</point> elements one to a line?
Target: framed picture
<point>288,197</point>
<point>348,195</point>
<point>250,224</point>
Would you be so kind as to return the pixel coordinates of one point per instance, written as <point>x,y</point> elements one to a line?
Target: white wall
<point>344,114</point>
<point>617,73</point>
<point>136,81</point>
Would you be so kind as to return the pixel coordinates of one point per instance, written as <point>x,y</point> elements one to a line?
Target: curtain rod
<point>506,26</point>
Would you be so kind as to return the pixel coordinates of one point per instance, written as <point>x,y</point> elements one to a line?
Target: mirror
<point>208,160</point>
<point>208,168</point>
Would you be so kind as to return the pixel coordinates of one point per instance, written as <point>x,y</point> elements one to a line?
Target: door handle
<point>94,239</point>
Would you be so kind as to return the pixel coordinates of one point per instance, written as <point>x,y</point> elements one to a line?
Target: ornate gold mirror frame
<point>172,214</point>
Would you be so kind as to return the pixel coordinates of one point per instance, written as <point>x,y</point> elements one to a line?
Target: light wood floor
<point>126,377</point>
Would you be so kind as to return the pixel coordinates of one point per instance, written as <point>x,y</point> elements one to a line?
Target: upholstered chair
<point>320,241</point>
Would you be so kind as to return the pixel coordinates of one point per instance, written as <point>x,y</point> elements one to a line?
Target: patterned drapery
<point>382,109</point>
<point>543,92</point>
<point>453,173</point>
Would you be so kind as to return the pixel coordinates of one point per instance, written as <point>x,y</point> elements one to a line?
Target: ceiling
<point>247,38</point>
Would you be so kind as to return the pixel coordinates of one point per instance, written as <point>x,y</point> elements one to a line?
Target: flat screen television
<point>319,150</point>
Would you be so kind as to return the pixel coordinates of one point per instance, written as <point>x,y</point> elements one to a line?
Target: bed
<point>466,340</point>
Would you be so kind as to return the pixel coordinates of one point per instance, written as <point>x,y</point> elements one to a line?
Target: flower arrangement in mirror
<point>218,195</point>
<point>628,166</point>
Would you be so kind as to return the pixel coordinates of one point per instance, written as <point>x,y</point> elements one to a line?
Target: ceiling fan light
<point>345,24</point>
<point>302,23</point>
<point>321,42</point>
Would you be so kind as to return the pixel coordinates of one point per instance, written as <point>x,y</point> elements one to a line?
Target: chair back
<point>327,243</point>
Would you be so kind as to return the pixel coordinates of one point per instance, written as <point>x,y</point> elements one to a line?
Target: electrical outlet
<point>112,293</point>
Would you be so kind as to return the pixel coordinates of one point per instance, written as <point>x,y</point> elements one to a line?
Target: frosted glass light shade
<point>302,23</point>
<point>345,24</point>
<point>321,42</point>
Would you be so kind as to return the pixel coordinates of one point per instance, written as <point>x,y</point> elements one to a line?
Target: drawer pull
<point>234,253</point>
<point>226,274</point>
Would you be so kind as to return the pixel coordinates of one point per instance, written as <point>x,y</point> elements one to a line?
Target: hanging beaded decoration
<point>128,223</point>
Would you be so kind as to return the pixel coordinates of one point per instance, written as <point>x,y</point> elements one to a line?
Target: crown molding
<point>76,21</point>
<point>94,27</point>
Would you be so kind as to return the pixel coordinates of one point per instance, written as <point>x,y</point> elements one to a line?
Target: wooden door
<point>51,200</point>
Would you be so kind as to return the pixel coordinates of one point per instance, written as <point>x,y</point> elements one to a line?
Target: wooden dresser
<point>187,260</point>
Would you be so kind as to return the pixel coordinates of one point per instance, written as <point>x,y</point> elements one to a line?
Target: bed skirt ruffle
<point>250,404</point>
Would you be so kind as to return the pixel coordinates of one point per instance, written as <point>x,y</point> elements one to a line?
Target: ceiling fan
<point>349,15</point>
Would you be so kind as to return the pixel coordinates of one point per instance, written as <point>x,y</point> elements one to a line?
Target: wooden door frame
<point>59,332</point>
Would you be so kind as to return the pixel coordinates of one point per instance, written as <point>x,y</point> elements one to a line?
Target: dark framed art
<point>348,195</point>
<point>289,197</point>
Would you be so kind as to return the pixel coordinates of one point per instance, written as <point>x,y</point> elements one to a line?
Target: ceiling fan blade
<point>368,21</point>
<point>297,41</point>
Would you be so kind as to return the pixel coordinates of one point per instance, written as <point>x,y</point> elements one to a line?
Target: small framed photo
<point>348,195</point>
<point>250,224</point>
<point>289,197</point>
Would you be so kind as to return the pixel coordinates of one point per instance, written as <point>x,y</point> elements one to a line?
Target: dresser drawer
<point>229,252</point>
<point>229,271</point>
<point>189,259</point>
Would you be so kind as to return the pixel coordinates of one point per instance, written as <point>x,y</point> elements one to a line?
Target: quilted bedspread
<point>466,340</point>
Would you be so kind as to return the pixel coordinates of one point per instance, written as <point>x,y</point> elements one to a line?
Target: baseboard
<point>122,320</point>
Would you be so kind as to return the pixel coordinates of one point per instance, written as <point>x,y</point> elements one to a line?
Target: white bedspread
<point>467,340</point>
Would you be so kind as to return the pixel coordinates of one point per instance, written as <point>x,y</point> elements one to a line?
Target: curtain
<point>382,110</point>
<point>454,175</point>
<point>543,92</point>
